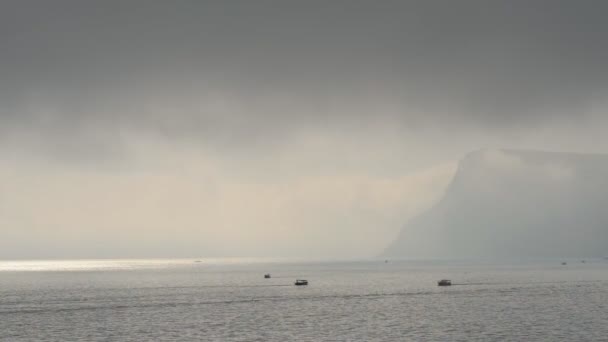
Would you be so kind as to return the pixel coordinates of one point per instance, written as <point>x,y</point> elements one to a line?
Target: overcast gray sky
<point>266,128</point>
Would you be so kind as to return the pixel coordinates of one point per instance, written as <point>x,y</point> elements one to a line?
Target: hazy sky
<point>273,128</point>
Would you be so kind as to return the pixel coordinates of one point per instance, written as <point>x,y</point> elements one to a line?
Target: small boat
<point>267,275</point>
<point>563,263</point>
<point>300,282</point>
<point>197,261</point>
<point>444,282</point>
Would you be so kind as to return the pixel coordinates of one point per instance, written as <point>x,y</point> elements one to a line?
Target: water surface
<point>229,300</point>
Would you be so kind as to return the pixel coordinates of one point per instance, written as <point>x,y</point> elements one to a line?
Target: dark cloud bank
<point>219,70</point>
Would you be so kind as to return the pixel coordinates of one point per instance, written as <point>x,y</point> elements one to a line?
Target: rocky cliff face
<point>515,203</point>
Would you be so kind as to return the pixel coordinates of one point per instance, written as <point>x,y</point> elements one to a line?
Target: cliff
<point>515,203</point>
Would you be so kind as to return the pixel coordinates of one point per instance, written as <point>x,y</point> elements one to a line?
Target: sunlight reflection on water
<point>230,300</point>
<point>129,264</point>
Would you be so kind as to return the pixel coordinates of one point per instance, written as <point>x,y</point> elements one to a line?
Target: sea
<point>346,300</point>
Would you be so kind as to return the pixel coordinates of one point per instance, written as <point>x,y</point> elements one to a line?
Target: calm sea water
<point>229,300</point>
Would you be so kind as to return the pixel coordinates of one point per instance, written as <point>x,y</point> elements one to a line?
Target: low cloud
<point>175,202</point>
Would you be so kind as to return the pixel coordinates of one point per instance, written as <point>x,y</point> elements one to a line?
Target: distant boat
<point>564,263</point>
<point>300,282</point>
<point>197,261</point>
<point>444,282</point>
<point>267,275</point>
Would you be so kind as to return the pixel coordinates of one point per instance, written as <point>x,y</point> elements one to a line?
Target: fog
<point>515,203</point>
<point>273,128</point>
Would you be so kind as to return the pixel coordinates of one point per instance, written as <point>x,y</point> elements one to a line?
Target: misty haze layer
<point>152,128</point>
<point>516,203</point>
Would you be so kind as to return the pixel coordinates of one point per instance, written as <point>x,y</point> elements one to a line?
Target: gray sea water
<point>229,300</point>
